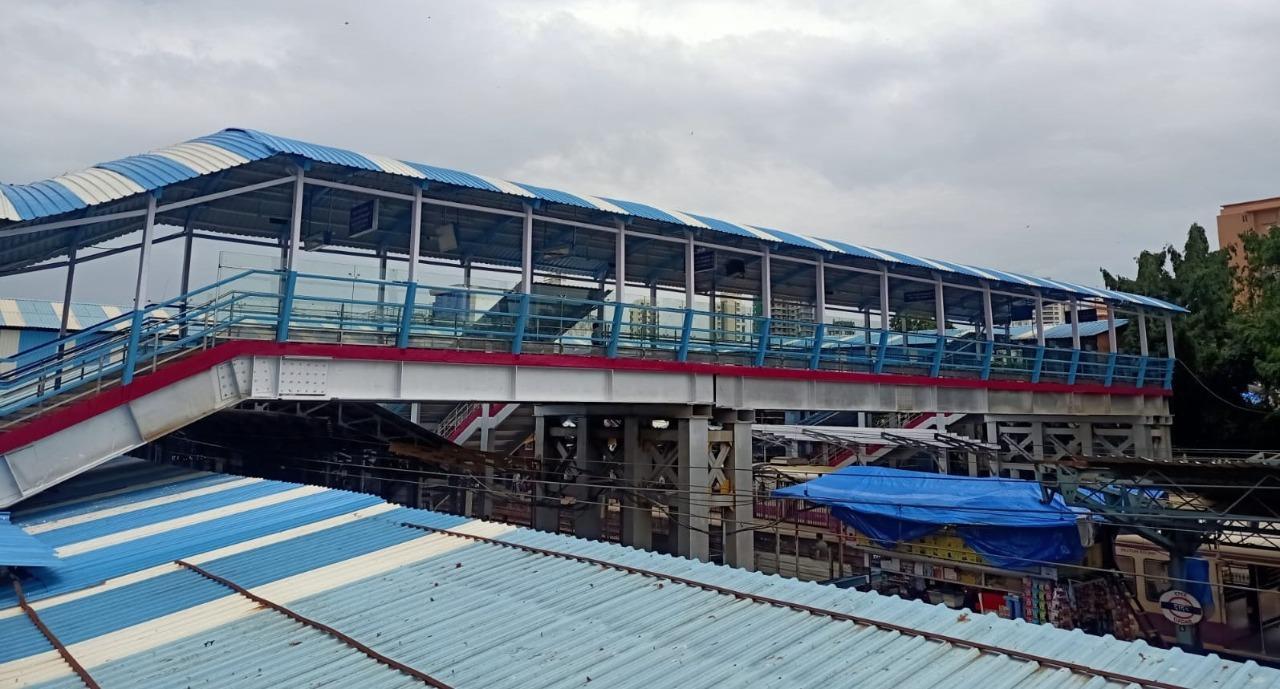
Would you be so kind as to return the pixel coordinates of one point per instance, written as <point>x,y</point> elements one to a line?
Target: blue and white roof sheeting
<point>229,148</point>
<point>134,617</point>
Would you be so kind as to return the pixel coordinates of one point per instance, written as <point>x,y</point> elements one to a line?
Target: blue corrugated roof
<point>239,146</point>
<point>472,614</point>
<point>17,548</point>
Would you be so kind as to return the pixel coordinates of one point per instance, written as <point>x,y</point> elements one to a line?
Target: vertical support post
<point>545,517</point>
<point>882,352</point>
<point>66,301</point>
<point>140,294</point>
<point>415,233</point>
<point>989,325</point>
<point>637,517</point>
<point>739,537</point>
<point>1074,307</point>
<point>688,271</point>
<point>762,345</point>
<point>940,323</point>
<point>587,522</point>
<point>1168,338</point>
<point>1144,348</point>
<point>620,264</point>
<point>619,289</point>
<point>526,251</point>
<point>692,495</point>
<point>188,246</point>
<point>1113,345</point>
<point>67,288</point>
<point>819,334</point>
<point>766,281</point>
<point>290,262</point>
<point>522,322</point>
<point>415,251</point>
<point>295,223</point>
<point>1039,365</point>
<point>820,298</point>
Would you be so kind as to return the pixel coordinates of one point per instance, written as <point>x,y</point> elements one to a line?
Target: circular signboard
<point>1180,607</point>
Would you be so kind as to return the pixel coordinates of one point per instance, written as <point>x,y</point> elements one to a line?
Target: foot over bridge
<point>614,302</point>
<point>101,392</point>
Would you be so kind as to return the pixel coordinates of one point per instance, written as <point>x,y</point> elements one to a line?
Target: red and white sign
<point>1180,607</point>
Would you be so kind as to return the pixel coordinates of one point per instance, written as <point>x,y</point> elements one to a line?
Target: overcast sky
<point>1047,137</point>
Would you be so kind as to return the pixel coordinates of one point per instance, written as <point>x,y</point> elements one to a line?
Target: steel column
<point>140,294</point>
<point>620,264</point>
<point>739,537</point>
<point>692,497</point>
<point>415,233</point>
<point>526,251</point>
<point>688,271</point>
<point>988,323</point>
<point>820,298</point>
<point>766,282</point>
<point>295,222</point>
<point>637,514</point>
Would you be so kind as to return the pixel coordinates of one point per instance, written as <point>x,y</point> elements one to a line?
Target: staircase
<point>509,425</point>
<point>879,453</point>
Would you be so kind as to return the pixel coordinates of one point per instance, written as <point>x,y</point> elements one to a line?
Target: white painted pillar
<point>140,293</point>
<point>295,223</point>
<point>739,537</point>
<point>939,306</point>
<point>1143,346</point>
<point>820,299</point>
<point>1039,319</point>
<point>1168,334</point>
<point>620,264</point>
<point>688,270</point>
<point>766,281</point>
<point>988,315</point>
<point>1074,307</point>
<point>415,234</point>
<point>526,251</point>
<point>884,299</point>
<point>693,491</point>
<point>1112,341</point>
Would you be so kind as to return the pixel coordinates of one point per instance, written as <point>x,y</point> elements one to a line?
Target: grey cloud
<point>1049,138</point>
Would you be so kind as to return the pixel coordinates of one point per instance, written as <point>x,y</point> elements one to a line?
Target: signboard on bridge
<point>363,219</point>
<point>1180,607</point>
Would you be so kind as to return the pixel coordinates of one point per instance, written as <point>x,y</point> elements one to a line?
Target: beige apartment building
<point>1238,219</point>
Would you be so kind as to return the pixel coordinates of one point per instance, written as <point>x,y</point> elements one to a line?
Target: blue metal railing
<point>259,304</point>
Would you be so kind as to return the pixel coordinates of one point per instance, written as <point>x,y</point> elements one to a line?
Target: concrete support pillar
<point>637,512</point>
<point>588,519</point>
<point>766,281</point>
<point>692,498</point>
<point>545,518</point>
<point>739,538</point>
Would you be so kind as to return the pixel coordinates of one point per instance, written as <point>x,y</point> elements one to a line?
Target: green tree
<point>1214,344</point>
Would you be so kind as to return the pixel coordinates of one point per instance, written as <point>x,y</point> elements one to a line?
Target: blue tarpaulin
<point>1005,520</point>
<point>20,549</point>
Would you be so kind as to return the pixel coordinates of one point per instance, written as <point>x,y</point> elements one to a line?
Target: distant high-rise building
<point>791,319</point>
<point>1235,220</point>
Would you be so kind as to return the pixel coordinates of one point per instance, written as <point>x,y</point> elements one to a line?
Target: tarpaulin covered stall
<point>1006,521</point>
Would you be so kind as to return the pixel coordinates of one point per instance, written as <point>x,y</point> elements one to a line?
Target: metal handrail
<point>607,327</point>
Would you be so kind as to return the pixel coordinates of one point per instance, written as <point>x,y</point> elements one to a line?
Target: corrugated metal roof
<point>41,314</point>
<point>474,614</point>
<point>231,147</point>
<point>18,548</point>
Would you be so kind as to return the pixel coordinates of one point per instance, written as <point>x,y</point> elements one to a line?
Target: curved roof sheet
<point>117,179</point>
